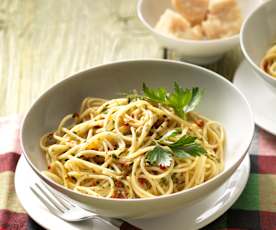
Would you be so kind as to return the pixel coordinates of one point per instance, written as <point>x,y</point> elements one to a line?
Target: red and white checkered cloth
<point>255,209</point>
<point>12,215</point>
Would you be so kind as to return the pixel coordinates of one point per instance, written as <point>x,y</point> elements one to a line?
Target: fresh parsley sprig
<point>159,156</point>
<point>181,100</point>
<point>157,95</point>
<point>186,146</point>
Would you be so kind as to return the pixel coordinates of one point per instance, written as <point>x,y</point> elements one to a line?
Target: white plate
<point>193,217</point>
<point>261,99</point>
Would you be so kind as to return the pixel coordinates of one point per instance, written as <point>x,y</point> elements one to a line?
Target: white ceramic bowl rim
<point>246,54</point>
<point>75,75</point>
<point>190,41</point>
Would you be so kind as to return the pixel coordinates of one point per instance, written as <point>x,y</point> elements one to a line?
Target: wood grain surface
<point>44,41</point>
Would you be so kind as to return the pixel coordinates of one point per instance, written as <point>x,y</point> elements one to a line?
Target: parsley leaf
<point>196,97</point>
<point>182,148</point>
<point>186,146</point>
<point>181,100</point>
<point>159,156</point>
<point>185,140</point>
<point>157,95</point>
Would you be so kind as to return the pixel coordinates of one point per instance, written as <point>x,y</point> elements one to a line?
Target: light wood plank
<point>43,42</point>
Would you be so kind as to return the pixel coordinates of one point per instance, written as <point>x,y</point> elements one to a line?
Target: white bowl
<point>198,52</point>
<point>258,34</point>
<point>222,101</point>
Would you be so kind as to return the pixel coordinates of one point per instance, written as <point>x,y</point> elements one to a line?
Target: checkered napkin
<point>255,209</point>
<point>12,215</point>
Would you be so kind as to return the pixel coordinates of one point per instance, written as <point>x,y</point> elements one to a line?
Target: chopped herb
<point>114,156</point>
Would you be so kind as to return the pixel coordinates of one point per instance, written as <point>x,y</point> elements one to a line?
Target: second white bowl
<point>198,52</point>
<point>258,34</point>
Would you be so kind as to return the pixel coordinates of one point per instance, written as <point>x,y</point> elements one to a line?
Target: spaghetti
<point>102,151</point>
<point>268,63</point>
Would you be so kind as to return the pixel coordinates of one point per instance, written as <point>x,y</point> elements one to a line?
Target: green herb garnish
<point>156,95</point>
<point>181,100</point>
<point>159,156</point>
<point>186,146</point>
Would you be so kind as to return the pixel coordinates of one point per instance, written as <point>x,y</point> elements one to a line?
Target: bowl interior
<point>259,32</point>
<point>221,102</point>
<point>151,10</point>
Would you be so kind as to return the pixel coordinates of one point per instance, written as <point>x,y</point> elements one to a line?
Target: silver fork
<point>66,210</point>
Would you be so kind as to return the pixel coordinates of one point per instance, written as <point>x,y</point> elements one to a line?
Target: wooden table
<point>44,41</point>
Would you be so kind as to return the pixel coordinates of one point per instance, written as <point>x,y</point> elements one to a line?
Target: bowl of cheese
<point>199,31</point>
